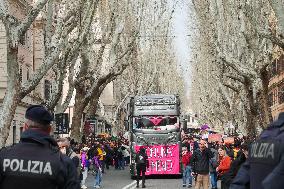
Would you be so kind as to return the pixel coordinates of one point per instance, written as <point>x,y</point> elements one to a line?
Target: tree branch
<point>48,26</point>
<point>277,6</point>
<point>30,85</point>
<point>241,80</point>
<point>235,65</point>
<point>231,87</point>
<point>27,22</point>
<point>272,38</point>
<point>3,11</point>
<point>69,95</point>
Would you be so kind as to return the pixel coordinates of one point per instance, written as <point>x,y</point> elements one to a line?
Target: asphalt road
<point>120,179</point>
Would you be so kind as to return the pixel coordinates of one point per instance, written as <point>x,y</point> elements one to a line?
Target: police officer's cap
<point>39,114</point>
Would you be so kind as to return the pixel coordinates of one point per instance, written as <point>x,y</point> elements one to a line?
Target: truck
<point>154,124</point>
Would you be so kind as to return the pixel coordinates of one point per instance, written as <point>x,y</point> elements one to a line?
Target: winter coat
<point>224,165</point>
<point>96,163</point>
<point>200,161</point>
<point>185,159</point>
<point>235,166</point>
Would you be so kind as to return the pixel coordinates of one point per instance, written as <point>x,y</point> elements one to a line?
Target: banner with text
<point>163,159</point>
<point>214,138</point>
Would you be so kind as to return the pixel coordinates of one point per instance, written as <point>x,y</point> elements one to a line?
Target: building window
<point>24,38</point>
<point>28,73</point>
<point>47,86</point>
<point>280,64</point>
<point>277,66</point>
<point>21,130</point>
<point>281,94</point>
<point>14,131</point>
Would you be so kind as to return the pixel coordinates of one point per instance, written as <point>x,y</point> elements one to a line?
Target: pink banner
<point>163,159</point>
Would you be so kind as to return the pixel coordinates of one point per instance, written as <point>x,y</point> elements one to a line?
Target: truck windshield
<point>156,122</point>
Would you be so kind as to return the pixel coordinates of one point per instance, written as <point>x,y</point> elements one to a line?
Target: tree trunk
<point>93,107</point>
<point>10,104</point>
<point>251,109</point>
<point>79,107</point>
<point>12,96</point>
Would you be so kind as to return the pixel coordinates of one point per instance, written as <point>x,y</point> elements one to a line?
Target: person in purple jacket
<point>85,165</point>
<point>98,169</point>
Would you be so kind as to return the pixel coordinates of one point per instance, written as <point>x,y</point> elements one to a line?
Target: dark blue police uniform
<point>36,161</point>
<point>264,169</point>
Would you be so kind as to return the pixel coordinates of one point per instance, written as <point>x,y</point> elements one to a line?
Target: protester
<point>109,155</point>
<point>98,170</point>
<point>235,165</point>
<point>212,166</point>
<point>141,165</point>
<point>236,149</point>
<point>102,155</point>
<point>85,165</point>
<point>126,154</point>
<point>186,156</point>
<point>65,148</point>
<point>224,165</point>
<point>120,157</point>
<point>200,165</point>
<point>115,156</point>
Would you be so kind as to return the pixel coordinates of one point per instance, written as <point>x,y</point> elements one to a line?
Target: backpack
<point>140,159</point>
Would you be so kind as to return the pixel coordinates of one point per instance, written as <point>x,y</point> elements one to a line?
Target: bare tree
<point>60,25</point>
<point>93,74</point>
<point>234,49</point>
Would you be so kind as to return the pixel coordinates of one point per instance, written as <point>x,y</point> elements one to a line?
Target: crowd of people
<point>203,160</point>
<point>40,161</point>
<point>96,155</point>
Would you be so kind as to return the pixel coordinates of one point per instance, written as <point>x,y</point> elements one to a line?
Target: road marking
<point>129,185</point>
<point>133,187</point>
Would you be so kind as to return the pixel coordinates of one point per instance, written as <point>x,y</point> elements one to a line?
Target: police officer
<point>264,168</point>
<point>141,164</point>
<point>36,161</point>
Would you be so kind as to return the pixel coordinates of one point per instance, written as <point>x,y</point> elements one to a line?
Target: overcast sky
<point>182,30</point>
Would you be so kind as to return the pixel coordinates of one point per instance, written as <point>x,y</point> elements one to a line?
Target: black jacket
<point>142,165</point>
<point>265,166</point>
<point>200,161</point>
<point>36,162</point>
<point>235,166</point>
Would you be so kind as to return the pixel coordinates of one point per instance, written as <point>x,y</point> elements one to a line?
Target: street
<point>166,87</point>
<point>120,179</point>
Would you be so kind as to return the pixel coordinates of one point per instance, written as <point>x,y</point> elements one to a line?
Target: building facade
<point>30,57</point>
<point>276,87</point>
